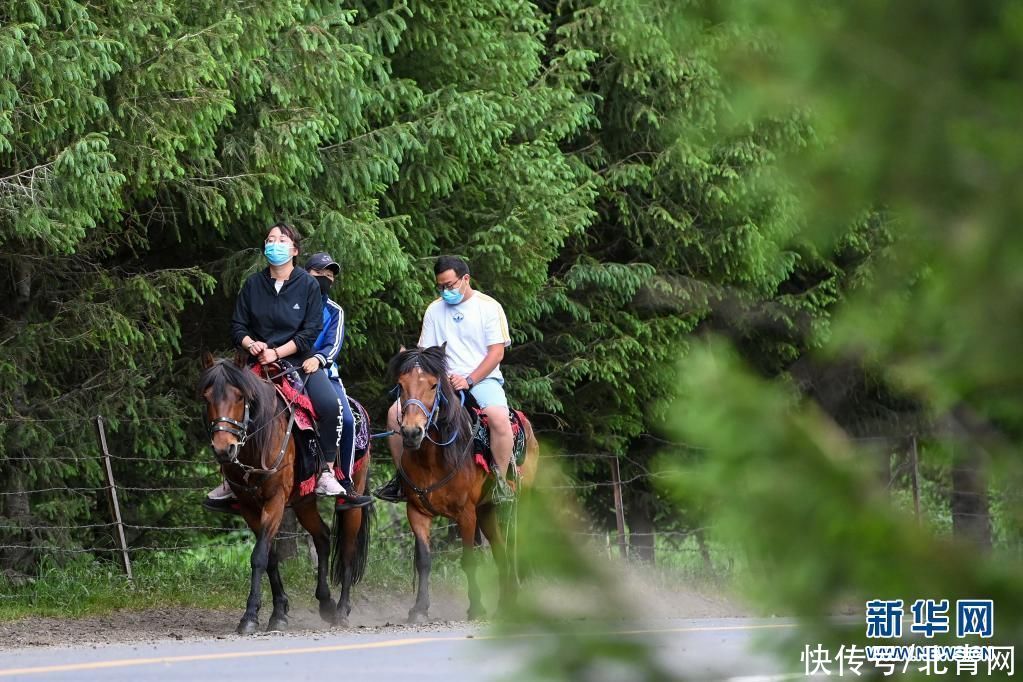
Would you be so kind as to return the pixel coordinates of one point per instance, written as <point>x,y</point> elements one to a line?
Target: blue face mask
<point>452,296</point>
<point>278,253</point>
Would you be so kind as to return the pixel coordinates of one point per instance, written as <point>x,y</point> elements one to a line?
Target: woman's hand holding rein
<point>253,347</point>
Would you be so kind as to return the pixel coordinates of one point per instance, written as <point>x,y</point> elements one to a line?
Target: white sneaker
<point>328,485</point>
<point>221,492</point>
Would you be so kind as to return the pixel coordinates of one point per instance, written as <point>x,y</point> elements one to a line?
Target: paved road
<point>707,649</point>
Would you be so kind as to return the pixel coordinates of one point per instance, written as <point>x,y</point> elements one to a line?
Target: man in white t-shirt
<point>476,332</point>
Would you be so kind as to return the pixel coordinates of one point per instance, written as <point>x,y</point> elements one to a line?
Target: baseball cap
<point>322,261</point>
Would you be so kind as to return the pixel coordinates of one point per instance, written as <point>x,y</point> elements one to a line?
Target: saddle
<point>482,453</point>
<point>309,457</point>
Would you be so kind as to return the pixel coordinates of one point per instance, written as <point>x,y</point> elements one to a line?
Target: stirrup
<point>225,506</point>
<point>354,501</point>
<point>498,490</point>
<point>392,491</point>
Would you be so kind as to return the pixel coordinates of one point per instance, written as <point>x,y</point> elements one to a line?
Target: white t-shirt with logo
<point>468,328</point>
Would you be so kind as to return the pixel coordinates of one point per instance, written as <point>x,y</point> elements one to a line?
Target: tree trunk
<point>971,514</point>
<point>16,511</point>
<point>639,514</point>
<point>701,542</point>
<point>287,546</point>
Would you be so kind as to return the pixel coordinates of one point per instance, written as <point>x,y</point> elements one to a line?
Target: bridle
<point>238,429</point>
<point>431,421</point>
<point>431,414</point>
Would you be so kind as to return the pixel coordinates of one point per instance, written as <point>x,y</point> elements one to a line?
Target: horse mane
<point>451,415</point>
<point>261,396</point>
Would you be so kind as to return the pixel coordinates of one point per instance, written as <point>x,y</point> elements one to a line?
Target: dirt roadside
<point>371,613</point>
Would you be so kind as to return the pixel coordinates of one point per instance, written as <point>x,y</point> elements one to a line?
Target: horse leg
<point>420,524</point>
<point>350,522</point>
<point>309,516</point>
<point>279,616</point>
<point>467,529</point>
<point>349,546</point>
<point>265,527</point>
<point>505,570</point>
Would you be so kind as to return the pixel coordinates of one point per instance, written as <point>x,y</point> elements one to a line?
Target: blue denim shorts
<point>489,393</point>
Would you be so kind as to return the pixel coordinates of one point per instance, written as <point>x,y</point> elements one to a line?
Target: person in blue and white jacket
<point>325,350</point>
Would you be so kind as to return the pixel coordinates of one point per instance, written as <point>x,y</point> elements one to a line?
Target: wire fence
<point>144,532</point>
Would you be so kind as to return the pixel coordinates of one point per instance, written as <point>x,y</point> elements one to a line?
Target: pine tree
<point>693,234</point>
<point>145,148</point>
<point>930,326</point>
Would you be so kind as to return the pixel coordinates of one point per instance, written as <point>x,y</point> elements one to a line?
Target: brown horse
<point>251,435</point>
<point>441,478</point>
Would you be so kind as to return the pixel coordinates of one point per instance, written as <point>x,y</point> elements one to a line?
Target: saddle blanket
<point>481,439</point>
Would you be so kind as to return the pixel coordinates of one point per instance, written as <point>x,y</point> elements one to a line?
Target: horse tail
<point>522,567</point>
<point>531,461</point>
<point>339,537</point>
<point>361,557</point>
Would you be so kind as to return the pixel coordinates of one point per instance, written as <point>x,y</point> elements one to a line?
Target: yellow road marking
<point>191,658</point>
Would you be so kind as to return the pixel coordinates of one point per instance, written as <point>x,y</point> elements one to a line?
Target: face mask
<point>278,253</point>
<point>452,296</point>
<point>325,283</point>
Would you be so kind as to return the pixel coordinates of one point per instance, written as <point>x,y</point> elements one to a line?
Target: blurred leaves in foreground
<point>921,121</point>
<point>917,109</point>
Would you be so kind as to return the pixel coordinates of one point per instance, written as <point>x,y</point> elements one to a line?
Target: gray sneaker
<point>327,485</point>
<point>501,490</point>
<point>221,492</point>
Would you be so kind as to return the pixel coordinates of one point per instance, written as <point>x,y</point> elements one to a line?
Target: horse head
<point>426,398</point>
<point>234,406</point>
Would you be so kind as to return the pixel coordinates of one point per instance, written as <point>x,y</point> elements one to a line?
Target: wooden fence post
<point>115,509</point>
<point>616,480</point>
<point>915,463</point>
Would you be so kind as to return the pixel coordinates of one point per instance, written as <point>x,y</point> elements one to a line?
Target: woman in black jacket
<point>279,314</point>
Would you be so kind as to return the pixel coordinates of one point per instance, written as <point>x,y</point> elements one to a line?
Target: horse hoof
<point>247,626</point>
<point>417,617</point>
<point>277,624</point>
<point>341,621</point>
<point>328,612</point>
<point>477,614</point>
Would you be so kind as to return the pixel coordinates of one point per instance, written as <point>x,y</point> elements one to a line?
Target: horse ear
<point>206,359</point>
<point>240,359</point>
<point>402,349</point>
<point>444,348</point>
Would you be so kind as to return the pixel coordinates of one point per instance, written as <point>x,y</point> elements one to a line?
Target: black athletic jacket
<point>294,314</point>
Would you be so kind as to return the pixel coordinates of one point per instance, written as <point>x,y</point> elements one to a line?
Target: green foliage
<point>692,229</point>
<point>596,161</point>
<point>145,148</point>
<point>929,321</point>
<point>629,177</point>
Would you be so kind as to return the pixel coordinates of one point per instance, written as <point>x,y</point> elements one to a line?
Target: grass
<point>202,577</point>
<point>197,577</point>
<point>217,576</point>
